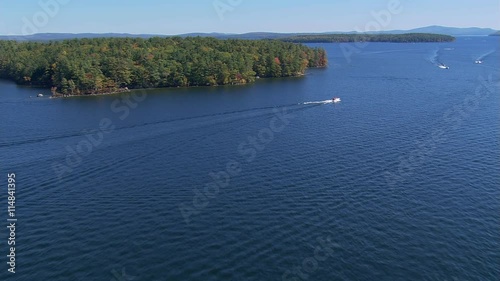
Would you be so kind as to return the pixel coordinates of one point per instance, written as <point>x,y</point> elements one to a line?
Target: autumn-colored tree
<point>102,65</point>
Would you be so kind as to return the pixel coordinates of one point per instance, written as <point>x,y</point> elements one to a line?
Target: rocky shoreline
<point>56,95</point>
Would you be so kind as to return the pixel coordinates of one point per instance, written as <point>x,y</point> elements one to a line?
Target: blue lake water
<point>399,181</point>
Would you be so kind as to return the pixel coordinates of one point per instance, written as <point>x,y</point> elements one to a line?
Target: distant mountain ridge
<point>453,31</point>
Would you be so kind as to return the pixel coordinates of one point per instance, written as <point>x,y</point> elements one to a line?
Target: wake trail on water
<point>81,133</point>
<point>485,55</point>
<point>317,102</point>
<point>434,57</point>
<point>51,184</point>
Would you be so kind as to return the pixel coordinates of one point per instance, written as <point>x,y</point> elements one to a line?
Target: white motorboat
<point>336,100</point>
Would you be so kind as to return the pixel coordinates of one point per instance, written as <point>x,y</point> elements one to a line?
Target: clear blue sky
<point>184,16</point>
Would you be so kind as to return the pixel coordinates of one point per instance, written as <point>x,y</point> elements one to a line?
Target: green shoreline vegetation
<point>348,38</point>
<point>112,65</point>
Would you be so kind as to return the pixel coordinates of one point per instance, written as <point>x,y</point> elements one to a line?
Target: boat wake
<point>434,59</point>
<point>209,118</point>
<point>481,58</point>
<point>318,102</point>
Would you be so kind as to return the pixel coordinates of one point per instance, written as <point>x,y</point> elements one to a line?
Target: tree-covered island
<point>348,38</point>
<point>110,65</point>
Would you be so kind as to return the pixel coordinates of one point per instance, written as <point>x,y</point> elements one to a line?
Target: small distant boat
<point>336,100</point>
<point>39,95</point>
<point>442,66</point>
<point>478,62</point>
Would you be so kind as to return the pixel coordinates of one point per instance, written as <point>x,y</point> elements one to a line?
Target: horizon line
<point>247,32</point>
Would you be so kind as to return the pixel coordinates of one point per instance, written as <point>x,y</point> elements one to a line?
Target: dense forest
<point>106,65</point>
<point>347,38</point>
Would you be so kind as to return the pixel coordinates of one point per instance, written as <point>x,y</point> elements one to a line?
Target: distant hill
<point>436,29</point>
<point>495,34</point>
<point>452,31</point>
